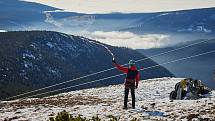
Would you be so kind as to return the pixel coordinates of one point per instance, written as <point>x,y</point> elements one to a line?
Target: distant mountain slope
<point>184,21</point>
<point>22,15</point>
<point>200,68</point>
<point>152,103</point>
<point>35,59</point>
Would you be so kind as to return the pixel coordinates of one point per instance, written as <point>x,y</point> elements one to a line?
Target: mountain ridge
<point>36,59</point>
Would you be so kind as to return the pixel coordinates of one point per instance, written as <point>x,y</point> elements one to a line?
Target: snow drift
<point>152,99</point>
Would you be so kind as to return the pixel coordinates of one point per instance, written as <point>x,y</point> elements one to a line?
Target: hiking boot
<point>125,108</point>
<point>133,107</point>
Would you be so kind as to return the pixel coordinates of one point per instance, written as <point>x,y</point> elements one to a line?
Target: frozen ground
<point>152,103</point>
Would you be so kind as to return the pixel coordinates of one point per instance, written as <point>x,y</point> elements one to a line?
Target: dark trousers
<point>132,96</point>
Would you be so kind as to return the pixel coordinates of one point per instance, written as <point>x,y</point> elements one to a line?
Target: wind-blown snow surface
<point>152,102</point>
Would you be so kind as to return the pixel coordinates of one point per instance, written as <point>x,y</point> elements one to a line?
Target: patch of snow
<point>55,72</point>
<point>65,35</point>
<point>196,29</point>
<point>69,45</point>
<point>4,75</point>
<point>33,45</point>
<point>28,64</point>
<point>72,37</point>
<point>28,55</point>
<point>49,44</point>
<point>164,14</point>
<point>55,11</point>
<point>152,103</point>
<point>202,29</point>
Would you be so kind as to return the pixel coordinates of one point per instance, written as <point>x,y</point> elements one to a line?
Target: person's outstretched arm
<point>119,67</point>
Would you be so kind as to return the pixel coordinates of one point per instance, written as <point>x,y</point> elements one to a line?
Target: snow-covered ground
<point>152,103</point>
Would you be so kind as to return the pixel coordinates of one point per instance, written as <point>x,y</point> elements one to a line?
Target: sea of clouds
<point>129,39</point>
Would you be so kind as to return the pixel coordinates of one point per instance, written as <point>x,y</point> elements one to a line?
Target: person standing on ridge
<point>131,80</point>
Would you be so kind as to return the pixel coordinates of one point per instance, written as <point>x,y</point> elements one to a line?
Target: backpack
<point>173,95</point>
<point>130,78</point>
<point>177,86</point>
<point>131,75</point>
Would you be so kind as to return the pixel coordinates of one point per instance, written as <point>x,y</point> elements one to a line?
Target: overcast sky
<point>127,6</point>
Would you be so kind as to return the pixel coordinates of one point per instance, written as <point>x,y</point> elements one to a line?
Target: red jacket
<point>125,70</point>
